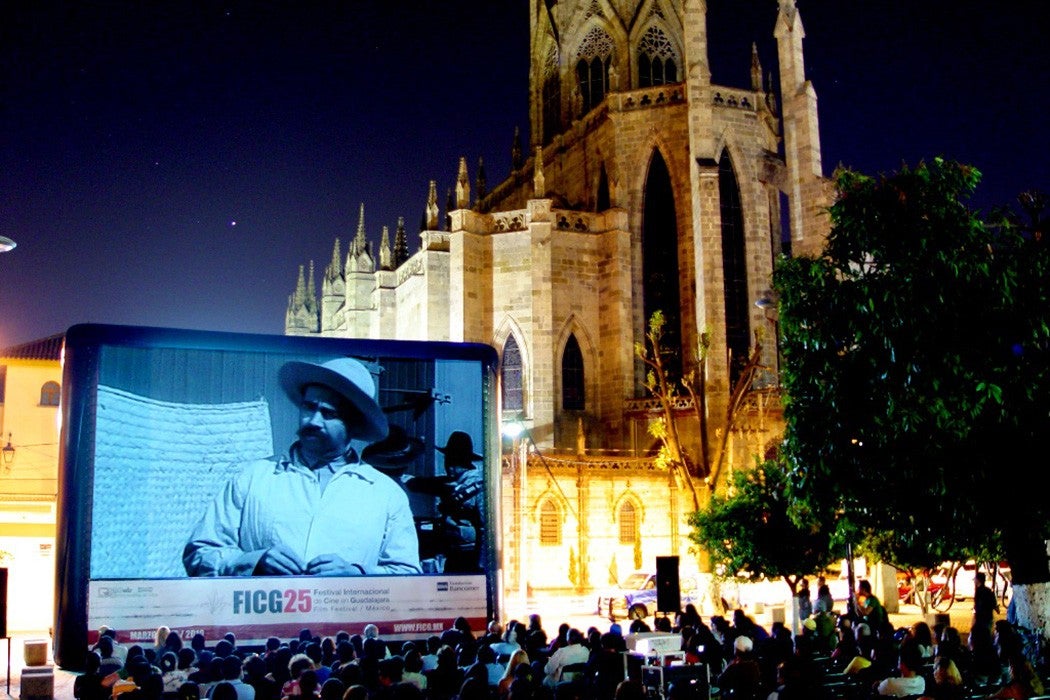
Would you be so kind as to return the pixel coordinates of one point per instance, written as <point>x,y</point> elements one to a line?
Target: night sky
<point>173,163</point>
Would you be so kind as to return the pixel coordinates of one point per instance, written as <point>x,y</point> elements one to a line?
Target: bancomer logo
<point>457,586</point>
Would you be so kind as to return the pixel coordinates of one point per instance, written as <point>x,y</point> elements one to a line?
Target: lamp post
<point>513,430</point>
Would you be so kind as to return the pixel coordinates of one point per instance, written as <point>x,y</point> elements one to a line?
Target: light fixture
<point>767,300</point>
<point>8,453</point>
<point>6,244</point>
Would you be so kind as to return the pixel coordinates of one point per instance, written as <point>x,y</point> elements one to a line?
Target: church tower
<point>645,186</point>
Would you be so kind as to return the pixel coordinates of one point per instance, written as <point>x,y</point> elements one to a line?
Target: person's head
<point>161,635</point>
<point>391,670</point>
<point>922,633</point>
<point>173,641</point>
<point>254,667</point>
<point>299,663</point>
<point>197,642</point>
<point>910,659</point>
<point>92,662</point>
<point>743,645</point>
<point>336,405</point>
<point>104,647</point>
<point>945,672</point>
<point>517,657</point>
<point>494,628</point>
<point>864,586</point>
<point>486,654</point>
<point>314,651</point>
<point>191,691</point>
<point>630,689</point>
<point>223,648</point>
<point>308,682</point>
<point>979,578</point>
<point>185,657</point>
<point>168,662</point>
<point>231,667</point>
<point>333,689</point>
<point>413,661</point>
<point>371,631</point>
<point>459,454</point>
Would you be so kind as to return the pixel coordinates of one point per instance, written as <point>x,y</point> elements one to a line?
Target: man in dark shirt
<point>984,603</point>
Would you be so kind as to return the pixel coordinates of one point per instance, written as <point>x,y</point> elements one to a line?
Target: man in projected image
<point>320,510</point>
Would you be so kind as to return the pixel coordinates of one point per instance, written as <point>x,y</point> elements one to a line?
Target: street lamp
<point>8,454</point>
<point>6,244</point>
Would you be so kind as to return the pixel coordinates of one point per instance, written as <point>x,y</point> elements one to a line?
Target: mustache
<point>309,431</point>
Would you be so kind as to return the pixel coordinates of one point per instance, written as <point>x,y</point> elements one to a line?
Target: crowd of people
<point>833,656</point>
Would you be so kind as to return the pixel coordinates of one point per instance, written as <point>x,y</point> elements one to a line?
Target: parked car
<point>635,598</point>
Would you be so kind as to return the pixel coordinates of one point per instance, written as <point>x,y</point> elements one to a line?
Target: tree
<point>916,373</point>
<point>667,389</point>
<point>750,531</point>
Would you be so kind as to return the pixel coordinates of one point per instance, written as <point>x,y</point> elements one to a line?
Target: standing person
<point>805,601</point>
<point>870,608</point>
<point>984,603</point>
<point>320,510</point>
<point>825,602</point>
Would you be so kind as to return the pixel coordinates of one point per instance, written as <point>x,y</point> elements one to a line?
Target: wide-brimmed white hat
<point>348,378</point>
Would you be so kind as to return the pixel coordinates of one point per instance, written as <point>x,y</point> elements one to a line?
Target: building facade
<point>646,188</point>
<point>30,390</point>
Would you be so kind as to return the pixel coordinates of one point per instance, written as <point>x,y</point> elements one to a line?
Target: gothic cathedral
<point>646,188</point>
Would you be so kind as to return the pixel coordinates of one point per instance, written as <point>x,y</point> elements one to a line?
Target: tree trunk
<point>1030,607</point>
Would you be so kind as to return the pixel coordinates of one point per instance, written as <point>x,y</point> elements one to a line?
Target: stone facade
<point>647,187</point>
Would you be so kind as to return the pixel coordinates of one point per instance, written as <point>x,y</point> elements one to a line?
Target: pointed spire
<point>756,69</point>
<point>311,292</point>
<point>300,287</point>
<point>335,267</point>
<point>384,250</point>
<point>431,222</point>
<point>515,151</point>
<point>400,243</point>
<point>538,182</point>
<point>481,179</point>
<point>462,186</point>
<point>360,241</point>
<point>450,204</point>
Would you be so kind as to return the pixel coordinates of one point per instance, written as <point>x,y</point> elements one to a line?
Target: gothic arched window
<point>734,268</point>
<point>657,61</point>
<point>511,377</point>
<point>572,388</point>
<point>50,394</point>
<point>550,523</point>
<point>628,520</point>
<point>660,291</point>
<point>592,68</point>
<point>551,97</point>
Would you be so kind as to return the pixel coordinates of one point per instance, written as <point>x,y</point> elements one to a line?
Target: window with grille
<point>511,377</point>
<point>50,393</point>
<point>628,523</point>
<point>550,523</point>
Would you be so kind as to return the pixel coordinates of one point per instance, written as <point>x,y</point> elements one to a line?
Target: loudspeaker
<point>3,602</point>
<point>668,595</point>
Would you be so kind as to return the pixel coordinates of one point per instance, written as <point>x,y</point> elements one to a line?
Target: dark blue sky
<point>172,164</point>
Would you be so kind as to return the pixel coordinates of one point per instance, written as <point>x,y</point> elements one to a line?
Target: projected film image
<point>263,489</point>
